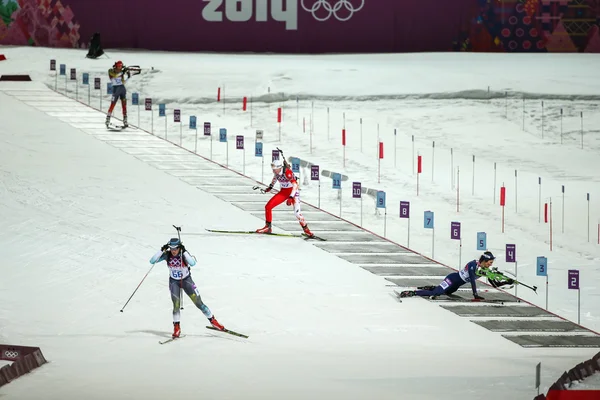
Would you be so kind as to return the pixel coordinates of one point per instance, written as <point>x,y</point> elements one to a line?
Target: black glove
<point>182,247</point>
<point>164,248</point>
<point>128,74</point>
<point>477,297</point>
<point>269,188</point>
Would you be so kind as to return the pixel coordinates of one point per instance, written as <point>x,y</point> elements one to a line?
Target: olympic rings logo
<point>11,354</point>
<point>343,10</point>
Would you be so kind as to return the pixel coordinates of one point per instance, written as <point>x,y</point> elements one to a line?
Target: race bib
<point>445,283</point>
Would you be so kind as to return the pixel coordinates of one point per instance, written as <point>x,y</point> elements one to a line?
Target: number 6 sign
<point>455,230</point>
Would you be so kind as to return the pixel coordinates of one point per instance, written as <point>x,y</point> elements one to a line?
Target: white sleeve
<point>189,259</point>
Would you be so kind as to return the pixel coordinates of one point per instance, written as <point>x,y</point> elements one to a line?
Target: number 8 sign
<point>404,209</point>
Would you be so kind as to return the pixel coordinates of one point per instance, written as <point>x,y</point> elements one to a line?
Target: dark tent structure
<point>95,49</point>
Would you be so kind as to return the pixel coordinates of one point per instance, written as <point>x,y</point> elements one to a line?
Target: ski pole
<point>178,229</point>
<point>534,288</point>
<point>258,188</point>
<point>138,286</point>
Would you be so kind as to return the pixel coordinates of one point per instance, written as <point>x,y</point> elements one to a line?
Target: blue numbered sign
<point>295,161</point>
<point>380,199</point>
<point>192,122</point>
<point>258,149</point>
<point>86,78</point>
<point>63,69</point>
<point>135,99</point>
<point>108,88</point>
<point>481,241</point>
<point>337,180</point>
<point>222,135</point>
<point>542,266</point>
<point>428,220</point>
<point>162,110</point>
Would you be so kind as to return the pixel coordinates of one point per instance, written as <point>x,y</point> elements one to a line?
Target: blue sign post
<point>223,139</point>
<point>193,124</point>
<point>258,152</point>
<point>337,184</point>
<point>428,223</point>
<point>381,204</point>
<point>162,112</point>
<point>542,270</point>
<point>86,81</point>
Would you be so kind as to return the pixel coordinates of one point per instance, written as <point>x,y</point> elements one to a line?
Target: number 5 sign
<point>481,241</point>
<point>542,270</point>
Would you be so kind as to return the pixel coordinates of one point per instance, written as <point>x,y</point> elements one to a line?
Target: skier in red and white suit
<point>288,192</point>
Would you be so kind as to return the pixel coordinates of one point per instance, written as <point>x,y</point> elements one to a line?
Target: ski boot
<point>107,121</point>
<point>307,231</point>
<point>407,293</point>
<point>216,323</point>
<point>176,330</point>
<point>125,124</point>
<point>265,229</point>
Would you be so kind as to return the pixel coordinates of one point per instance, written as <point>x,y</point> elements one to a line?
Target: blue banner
<point>428,220</point>
<point>258,149</point>
<point>481,241</point>
<point>337,181</point>
<point>380,199</point>
<point>542,266</point>
<point>295,161</point>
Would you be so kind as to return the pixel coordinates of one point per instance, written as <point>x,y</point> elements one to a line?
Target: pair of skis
<point>303,235</point>
<point>229,331</point>
<point>449,297</point>
<point>113,127</point>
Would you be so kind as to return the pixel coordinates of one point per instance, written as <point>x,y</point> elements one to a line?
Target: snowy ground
<point>82,236</point>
